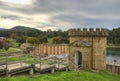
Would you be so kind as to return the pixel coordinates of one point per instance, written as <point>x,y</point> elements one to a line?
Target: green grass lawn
<point>50,40</point>
<point>20,58</point>
<point>12,59</point>
<point>113,45</point>
<point>9,50</point>
<point>68,76</point>
<point>28,59</point>
<point>1,50</point>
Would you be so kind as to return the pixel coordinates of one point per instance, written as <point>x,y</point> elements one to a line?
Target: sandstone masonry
<point>88,48</point>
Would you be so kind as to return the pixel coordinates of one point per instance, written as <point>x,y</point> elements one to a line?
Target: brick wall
<point>56,49</point>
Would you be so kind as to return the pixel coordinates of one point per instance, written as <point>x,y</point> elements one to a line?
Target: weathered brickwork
<point>92,46</point>
<point>56,49</point>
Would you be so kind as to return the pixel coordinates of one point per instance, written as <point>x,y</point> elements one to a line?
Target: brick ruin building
<point>88,48</point>
<point>57,49</point>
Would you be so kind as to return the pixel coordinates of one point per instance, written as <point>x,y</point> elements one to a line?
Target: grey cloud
<point>88,6</point>
<point>74,12</point>
<point>72,6</point>
<point>77,20</point>
<point>62,6</point>
<point>12,17</point>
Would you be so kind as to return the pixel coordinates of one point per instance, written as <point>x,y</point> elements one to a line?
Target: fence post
<point>32,69</point>
<point>6,64</point>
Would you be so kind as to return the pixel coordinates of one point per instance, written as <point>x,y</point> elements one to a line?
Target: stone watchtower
<point>88,48</point>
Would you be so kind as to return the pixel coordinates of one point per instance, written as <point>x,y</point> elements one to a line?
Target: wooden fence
<point>115,68</point>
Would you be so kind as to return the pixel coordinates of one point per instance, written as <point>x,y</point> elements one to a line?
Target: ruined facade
<point>56,49</point>
<point>88,48</point>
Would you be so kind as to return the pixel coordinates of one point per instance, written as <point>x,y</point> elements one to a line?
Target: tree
<point>33,33</point>
<point>13,36</point>
<point>43,39</point>
<point>114,36</point>
<point>5,44</point>
<point>59,39</point>
<point>8,44</point>
<point>22,39</point>
<point>32,40</point>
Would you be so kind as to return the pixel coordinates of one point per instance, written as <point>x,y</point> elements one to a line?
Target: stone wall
<point>85,56</point>
<point>94,56</point>
<point>89,32</point>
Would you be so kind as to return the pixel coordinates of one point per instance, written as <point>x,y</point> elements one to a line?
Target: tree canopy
<point>114,36</point>
<point>38,36</point>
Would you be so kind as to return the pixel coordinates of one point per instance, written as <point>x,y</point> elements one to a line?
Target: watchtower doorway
<point>78,59</point>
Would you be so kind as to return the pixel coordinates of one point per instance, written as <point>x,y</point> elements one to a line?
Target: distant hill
<point>20,31</point>
<point>2,29</point>
<point>22,28</point>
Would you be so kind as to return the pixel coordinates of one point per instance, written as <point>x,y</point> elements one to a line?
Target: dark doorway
<point>78,59</point>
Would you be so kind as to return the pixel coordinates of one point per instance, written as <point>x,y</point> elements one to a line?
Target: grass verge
<point>68,76</point>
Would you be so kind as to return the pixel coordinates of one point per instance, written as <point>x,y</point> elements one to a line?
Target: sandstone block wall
<point>94,56</point>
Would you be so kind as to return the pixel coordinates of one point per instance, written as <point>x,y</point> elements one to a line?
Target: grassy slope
<point>9,50</point>
<point>29,59</point>
<point>68,76</point>
<point>50,40</point>
<point>113,46</point>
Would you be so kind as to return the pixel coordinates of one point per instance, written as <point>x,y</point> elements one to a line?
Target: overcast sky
<point>60,14</point>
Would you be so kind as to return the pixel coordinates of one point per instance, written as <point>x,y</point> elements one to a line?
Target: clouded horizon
<point>60,14</point>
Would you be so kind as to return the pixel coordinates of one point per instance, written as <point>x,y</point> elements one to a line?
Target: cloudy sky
<point>60,14</point>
